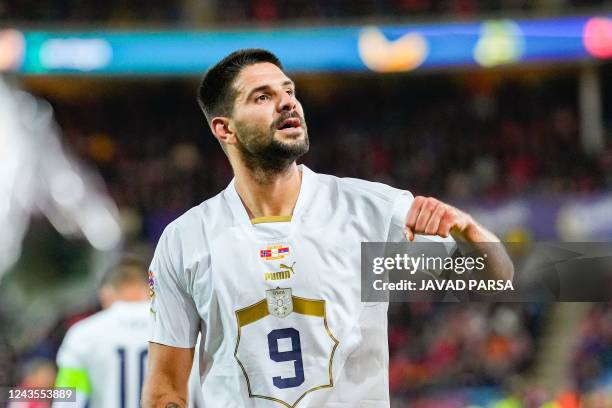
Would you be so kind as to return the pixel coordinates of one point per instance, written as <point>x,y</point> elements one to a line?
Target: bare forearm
<point>167,375</point>
<point>162,399</point>
<point>161,390</point>
<point>498,264</point>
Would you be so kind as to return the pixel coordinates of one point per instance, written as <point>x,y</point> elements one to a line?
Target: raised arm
<point>167,376</point>
<point>433,217</point>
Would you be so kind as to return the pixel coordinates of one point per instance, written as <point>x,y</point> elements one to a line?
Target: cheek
<point>300,109</point>
<point>259,116</point>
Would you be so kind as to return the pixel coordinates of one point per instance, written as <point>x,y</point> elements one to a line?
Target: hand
<point>433,217</point>
<point>429,216</point>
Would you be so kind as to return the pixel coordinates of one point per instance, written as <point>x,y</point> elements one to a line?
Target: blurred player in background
<point>268,270</point>
<point>104,356</point>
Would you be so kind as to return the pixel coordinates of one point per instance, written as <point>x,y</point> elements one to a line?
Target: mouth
<point>290,123</point>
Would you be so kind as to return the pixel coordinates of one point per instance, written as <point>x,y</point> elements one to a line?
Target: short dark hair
<point>216,94</point>
<point>128,269</point>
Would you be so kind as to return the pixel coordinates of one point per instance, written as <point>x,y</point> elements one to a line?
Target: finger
<point>448,222</point>
<point>414,211</point>
<point>436,218</point>
<point>409,234</point>
<point>427,209</point>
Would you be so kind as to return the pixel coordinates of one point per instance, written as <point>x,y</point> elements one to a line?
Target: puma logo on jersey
<point>284,274</point>
<point>274,252</point>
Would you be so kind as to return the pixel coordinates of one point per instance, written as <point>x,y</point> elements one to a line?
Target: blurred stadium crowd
<point>438,347</point>
<point>458,139</point>
<point>593,357</point>
<point>274,11</point>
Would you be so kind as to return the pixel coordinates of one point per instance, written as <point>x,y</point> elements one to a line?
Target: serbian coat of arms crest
<point>280,303</point>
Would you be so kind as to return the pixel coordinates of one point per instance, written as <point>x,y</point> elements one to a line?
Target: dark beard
<point>263,154</point>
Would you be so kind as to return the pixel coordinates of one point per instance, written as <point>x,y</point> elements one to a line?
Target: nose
<point>287,102</point>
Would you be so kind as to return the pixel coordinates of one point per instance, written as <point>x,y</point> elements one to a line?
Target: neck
<point>266,193</point>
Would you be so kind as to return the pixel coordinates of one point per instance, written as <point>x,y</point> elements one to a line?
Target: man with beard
<point>268,271</point>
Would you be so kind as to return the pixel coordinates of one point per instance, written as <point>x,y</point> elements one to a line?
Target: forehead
<point>257,75</point>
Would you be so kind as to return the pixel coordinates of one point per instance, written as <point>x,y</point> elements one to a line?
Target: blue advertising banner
<point>369,48</point>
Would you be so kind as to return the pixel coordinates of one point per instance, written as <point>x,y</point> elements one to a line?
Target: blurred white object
<point>586,220</point>
<point>38,175</point>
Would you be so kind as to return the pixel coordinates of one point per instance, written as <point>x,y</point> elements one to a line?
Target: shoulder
<point>86,326</point>
<point>358,188</point>
<point>185,233</point>
<point>183,250</point>
<point>189,223</point>
<point>365,201</point>
<point>83,333</point>
<point>198,222</point>
<point>371,188</point>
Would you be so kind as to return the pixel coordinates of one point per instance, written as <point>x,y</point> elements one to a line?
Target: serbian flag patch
<point>274,252</point>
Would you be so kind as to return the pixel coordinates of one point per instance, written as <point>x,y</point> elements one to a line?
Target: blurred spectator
<point>593,358</point>
<point>36,373</point>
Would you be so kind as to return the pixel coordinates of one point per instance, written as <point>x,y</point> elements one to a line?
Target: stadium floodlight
<point>37,174</point>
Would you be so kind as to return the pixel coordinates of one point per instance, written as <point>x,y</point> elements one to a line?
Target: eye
<point>262,98</point>
<point>291,92</point>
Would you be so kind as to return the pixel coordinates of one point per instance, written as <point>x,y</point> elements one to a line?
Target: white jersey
<point>277,300</point>
<point>104,356</point>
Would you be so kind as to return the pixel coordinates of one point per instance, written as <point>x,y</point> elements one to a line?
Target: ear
<point>223,129</point>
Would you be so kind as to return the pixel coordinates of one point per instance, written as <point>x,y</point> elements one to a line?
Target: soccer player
<point>104,356</point>
<point>268,271</point>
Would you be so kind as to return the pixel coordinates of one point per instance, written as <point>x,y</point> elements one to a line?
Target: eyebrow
<point>267,86</point>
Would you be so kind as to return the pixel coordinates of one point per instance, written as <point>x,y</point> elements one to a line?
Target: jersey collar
<point>307,191</point>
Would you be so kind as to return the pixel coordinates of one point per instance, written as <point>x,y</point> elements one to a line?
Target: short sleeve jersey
<point>277,300</point>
